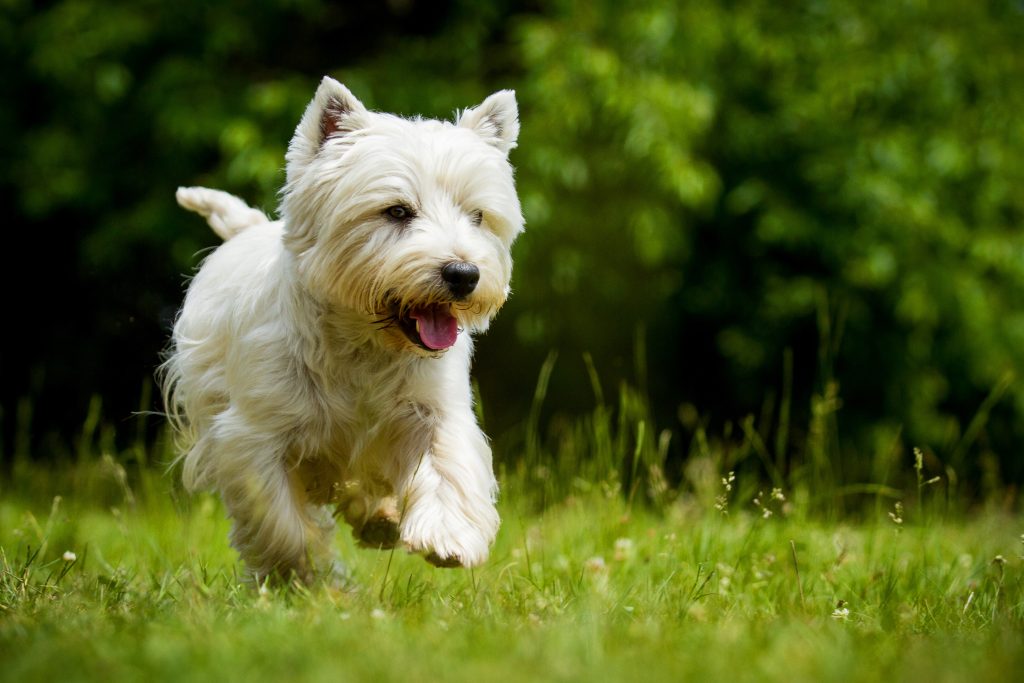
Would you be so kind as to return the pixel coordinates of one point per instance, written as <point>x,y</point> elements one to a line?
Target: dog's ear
<point>339,110</point>
<point>496,120</point>
<point>333,112</point>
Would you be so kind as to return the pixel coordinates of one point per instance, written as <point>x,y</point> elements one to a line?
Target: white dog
<point>323,359</point>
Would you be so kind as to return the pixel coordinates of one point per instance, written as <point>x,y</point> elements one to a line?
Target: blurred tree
<point>840,179</point>
<point>739,179</point>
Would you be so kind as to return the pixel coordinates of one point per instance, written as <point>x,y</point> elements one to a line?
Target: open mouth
<point>431,327</point>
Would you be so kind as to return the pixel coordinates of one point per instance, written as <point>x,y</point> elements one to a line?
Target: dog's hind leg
<point>227,214</point>
<point>275,529</point>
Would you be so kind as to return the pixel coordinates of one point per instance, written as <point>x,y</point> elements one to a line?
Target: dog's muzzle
<point>461,278</point>
<point>433,326</point>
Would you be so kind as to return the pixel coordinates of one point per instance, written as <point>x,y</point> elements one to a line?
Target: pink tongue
<point>436,326</point>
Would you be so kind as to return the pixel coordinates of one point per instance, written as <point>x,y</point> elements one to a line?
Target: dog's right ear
<point>337,112</point>
<point>333,112</point>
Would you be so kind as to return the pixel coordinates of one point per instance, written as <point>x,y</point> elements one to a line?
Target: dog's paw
<point>443,554</point>
<point>447,538</point>
<point>449,562</point>
<point>380,531</point>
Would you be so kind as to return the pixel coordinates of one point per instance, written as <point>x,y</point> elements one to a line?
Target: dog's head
<point>408,223</point>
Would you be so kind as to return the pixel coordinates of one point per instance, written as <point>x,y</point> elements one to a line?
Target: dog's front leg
<point>448,494</point>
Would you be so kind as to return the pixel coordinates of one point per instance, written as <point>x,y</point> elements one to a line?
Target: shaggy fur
<point>323,359</point>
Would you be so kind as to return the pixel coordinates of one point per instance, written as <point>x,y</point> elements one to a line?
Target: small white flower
<point>841,612</point>
<point>69,556</point>
<point>378,613</point>
<point>623,549</point>
<point>595,565</point>
<point>722,500</point>
<point>897,514</point>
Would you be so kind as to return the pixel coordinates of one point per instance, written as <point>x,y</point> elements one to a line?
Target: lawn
<point>110,572</point>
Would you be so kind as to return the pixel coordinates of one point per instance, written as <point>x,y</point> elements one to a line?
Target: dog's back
<point>233,293</point>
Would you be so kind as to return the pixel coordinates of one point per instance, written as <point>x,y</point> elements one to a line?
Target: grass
<point>606,568</point>
<point>591,586</point>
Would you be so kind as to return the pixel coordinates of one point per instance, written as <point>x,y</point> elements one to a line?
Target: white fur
<point>227,214</point>
<point>288,393</point>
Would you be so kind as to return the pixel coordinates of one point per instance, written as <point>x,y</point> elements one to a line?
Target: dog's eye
<point>477,217</point>
<point>399,212</point>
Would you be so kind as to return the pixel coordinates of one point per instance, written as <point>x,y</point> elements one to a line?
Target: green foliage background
<point>745,208</point>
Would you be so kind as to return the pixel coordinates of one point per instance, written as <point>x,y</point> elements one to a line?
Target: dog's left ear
<point>496,120</point>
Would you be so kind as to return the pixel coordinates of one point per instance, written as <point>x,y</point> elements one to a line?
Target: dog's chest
<point>366,416</point>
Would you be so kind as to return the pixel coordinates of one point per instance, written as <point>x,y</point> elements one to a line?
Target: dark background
<point>734,206</point>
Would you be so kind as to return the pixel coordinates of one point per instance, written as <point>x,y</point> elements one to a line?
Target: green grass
<point>596,582</point>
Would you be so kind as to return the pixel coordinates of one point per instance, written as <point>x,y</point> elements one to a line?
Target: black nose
<point>461,278</point>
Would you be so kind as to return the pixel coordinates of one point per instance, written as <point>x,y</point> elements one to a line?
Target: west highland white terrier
<point>323,359</point>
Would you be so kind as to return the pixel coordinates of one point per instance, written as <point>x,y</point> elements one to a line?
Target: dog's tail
<point>227,214</point>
